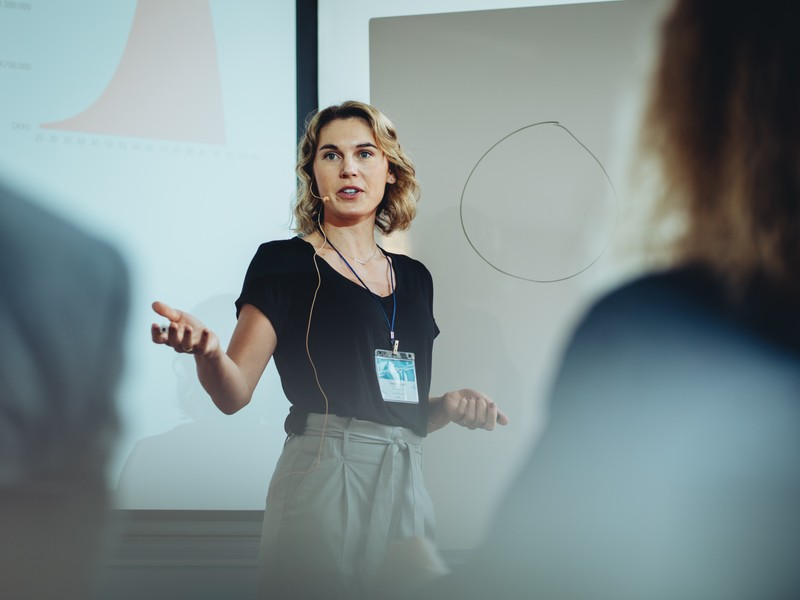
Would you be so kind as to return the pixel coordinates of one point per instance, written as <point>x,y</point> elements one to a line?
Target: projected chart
<point>166,127</point>
<point>167,83</point>
<point>183,78</point>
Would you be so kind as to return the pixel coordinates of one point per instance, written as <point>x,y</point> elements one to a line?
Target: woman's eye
<point>364,154</point>
<point>329,156</point>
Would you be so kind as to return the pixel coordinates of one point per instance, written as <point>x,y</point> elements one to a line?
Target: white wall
<point>344,37</point>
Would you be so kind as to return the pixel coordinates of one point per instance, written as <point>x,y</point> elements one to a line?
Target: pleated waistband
<point>358,430</point>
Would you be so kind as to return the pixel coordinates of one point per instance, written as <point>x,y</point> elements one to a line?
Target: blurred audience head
<point>723,121</point>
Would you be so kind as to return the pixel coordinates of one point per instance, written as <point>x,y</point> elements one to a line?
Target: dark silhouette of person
<point>670,464</point>
<point>63,311</point>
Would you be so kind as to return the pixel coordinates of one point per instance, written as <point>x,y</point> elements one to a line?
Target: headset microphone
<point>323,198</point>
<point>318,460</point>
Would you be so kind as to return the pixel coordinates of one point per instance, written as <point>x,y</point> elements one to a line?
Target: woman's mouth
<point>349,192</point>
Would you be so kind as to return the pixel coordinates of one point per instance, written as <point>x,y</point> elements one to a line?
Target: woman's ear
<point>391,178</point>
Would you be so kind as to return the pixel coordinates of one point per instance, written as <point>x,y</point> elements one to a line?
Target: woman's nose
<point>348,167</point>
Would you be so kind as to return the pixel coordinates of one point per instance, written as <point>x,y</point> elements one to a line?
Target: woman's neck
<point>356,242</point>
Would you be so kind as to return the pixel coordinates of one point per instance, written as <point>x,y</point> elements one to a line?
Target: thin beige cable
<point>313,368</point>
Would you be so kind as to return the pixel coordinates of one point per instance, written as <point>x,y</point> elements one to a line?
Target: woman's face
<point>350,171</point>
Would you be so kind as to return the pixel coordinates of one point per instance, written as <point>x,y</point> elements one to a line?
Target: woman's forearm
<point>224,381</point>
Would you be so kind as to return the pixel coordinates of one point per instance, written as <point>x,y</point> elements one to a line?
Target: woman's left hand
<point>465,407</point>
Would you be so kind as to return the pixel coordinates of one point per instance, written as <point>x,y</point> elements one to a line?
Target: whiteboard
<point>521,123</point>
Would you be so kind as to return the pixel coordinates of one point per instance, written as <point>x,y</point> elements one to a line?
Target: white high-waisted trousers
<point>336,500</point>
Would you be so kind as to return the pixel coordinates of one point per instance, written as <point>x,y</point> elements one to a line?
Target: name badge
<point>397,376</point>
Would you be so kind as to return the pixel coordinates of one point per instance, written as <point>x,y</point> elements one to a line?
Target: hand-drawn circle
<point>562,153</point>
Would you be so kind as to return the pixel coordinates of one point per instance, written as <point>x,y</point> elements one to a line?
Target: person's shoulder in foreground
<point>673,439</point>
<point>63,311</point>
<point>685,312</point>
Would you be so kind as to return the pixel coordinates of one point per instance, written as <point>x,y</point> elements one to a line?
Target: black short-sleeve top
<point>348,324</point>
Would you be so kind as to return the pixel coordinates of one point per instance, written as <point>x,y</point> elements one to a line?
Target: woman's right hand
<point>185,334</point>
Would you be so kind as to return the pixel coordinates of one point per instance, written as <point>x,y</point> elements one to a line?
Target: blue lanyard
<point>375,298</point>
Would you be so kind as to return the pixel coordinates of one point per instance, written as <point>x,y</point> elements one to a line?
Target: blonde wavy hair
<point>399,204</point>
<point>724,122</point>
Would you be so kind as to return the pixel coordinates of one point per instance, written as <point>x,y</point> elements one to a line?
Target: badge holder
<point>397,376</point>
